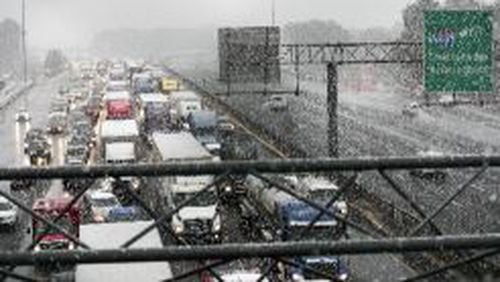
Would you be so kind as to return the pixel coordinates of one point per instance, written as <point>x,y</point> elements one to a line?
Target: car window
<point>5,206</point>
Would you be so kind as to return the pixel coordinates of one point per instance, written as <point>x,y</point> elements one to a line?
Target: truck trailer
<point>199,221</point>
<point>185,102</point>
<point>111,236</point>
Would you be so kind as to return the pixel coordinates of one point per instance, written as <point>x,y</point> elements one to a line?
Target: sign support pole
<point>332,101</point>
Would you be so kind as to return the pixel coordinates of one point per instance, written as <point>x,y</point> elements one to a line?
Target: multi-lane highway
<point>371,123</point>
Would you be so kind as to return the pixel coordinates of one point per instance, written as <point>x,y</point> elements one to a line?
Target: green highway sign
<point>458,51</point>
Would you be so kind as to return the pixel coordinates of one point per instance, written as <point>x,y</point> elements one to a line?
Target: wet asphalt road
<point>37,102</point>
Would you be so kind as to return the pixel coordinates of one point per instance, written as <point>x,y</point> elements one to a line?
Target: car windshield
<point>5,206</point>
<point>105,202</point>
<point>42,228</point>
<point>299,232</point>
<point>207,199</point>
<point>322,194</point>
<point>76,151</point>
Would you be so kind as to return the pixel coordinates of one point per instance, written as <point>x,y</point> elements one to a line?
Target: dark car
<point>57,123</point>
<point>59,106</point>
<point>33,135</point>
<point>39,152</point>
<point>76,157</point>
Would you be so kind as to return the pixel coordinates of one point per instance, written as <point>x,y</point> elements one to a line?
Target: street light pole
<point>23,42</point>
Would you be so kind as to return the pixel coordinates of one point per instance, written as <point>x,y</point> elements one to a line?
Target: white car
<point>446,100</point>
<point>277,103</point>
<point>22,115</point>
<point>8,213</point>
<point>411,110</point>
<point>101,203</point>
<point>242,277</point>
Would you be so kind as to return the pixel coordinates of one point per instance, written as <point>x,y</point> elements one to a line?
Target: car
<point>59,106</point>
<point>446,100</point>
<point>22,115</point>
<point>57,123</point>
<point>8,213</point>
<point>34,135</point>
<point>235,276</point>
<point>105,207</point>
<point>224,123</point>
<point>39,153</point>
<point>17,185</point>
<point>277,102</point>
<point>411,110</point>
<point>430,174</point>
<point>77,150</point>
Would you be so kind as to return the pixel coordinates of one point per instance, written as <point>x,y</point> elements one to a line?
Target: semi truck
<point>203,125</point>
<point>120,145</point>
<point>154,112</point>
<point>119,109</point>
<point>122,130</point>
<point>98,236</point>
<point>143,83</point>
<point>169,84</point>
<point>199,221</point>
<point>184,103</point>
<point>281,217</point>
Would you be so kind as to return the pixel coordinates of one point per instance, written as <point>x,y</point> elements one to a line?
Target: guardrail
<point>275,251</point>
<point>9,95</point>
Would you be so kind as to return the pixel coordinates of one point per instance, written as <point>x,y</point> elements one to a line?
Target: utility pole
<point>273,13</point>
<point>23,42</point>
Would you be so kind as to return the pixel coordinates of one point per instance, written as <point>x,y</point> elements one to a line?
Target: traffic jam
<point>120,113</point>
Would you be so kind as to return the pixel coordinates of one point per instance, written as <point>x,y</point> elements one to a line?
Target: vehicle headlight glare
<point>297,277</point>
<point>178,228</point>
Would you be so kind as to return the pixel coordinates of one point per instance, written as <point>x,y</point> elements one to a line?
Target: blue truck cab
<point>290,219</point>
<point>295,217</point>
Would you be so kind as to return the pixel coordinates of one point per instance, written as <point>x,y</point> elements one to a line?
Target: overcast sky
<point>65,23</point>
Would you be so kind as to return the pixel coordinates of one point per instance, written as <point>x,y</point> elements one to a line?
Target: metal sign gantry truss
<point>278,251</point>
<point>333,55</point>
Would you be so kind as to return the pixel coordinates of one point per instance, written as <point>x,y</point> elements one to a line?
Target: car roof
<point>4,200</point>
<point>101,195</point>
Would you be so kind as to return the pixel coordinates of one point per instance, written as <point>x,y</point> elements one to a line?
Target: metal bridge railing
<point>277,251</point>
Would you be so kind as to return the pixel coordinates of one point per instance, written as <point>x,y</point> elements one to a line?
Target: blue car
<point>122,213</point>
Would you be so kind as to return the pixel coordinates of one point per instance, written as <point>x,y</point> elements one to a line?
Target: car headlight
<point>216,224</point>
<point>227,189</point>
<point>37,248</point>
<point>342,207</point>
<point>343,277</point>
<point>178,227</point>
<point>297,277</point>
<point>71,246</point>
<point>99,218</point>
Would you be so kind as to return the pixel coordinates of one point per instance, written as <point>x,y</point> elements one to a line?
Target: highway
<point>12,155</point>
<point>363,116</point>
<point>371,124</point>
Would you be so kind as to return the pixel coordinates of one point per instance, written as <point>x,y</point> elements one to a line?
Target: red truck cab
<point>119,109</point>
<point>51,239</point>
<point>50,208</point>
